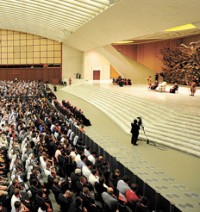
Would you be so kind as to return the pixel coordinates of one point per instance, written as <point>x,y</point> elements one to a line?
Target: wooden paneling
<point>3,75</point>
<point>43,74</point>
<point>127,50</point>
<point>55,81</point>
<point>148,54</point>
<point>96,74</point>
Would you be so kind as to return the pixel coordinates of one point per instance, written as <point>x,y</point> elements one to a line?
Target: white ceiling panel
<point>88,24</point>
<point>55,19</point>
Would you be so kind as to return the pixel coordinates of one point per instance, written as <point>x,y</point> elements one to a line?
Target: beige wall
<point>72,62</point>
<point>126,67</point>
<point>93,60</point>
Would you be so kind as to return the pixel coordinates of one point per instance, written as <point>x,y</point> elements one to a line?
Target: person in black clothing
<point>65,200</point>
<point>135,127</point>
<point>77,205</point>
<point>174,88</point>
<point>88,201</point>
<point>100,188</point>
<point>154,85</point>
<point>74,178</point>
<point>55,88</point>
<point>142,205</point>
<point>56,189</point>
<point>114,178</point>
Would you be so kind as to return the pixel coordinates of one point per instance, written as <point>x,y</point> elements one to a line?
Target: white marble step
<point>181,124</point>
<point>163,126</point>
<point>160,130</point>
<point>142,104</point>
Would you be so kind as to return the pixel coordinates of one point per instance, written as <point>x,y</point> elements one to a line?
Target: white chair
<point>161,87</point>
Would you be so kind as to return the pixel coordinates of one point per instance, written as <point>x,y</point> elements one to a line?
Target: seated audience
<point>43,155</point>
<point>174,88</point>
<point>154,85</point>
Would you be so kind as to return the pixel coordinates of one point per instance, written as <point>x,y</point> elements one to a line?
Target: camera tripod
<point>140,122</point>
<point>147,140</point>
<point>160,147</point>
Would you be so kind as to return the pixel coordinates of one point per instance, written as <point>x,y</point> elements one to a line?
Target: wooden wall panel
<point>3,75</point>
<point>127,50</point>
<point>194,38</point>
<point>148,54</point>
<point>43,74</point>
<point>38,74</point>
<point>50,76</point>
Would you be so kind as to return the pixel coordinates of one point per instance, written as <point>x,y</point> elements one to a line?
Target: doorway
<point>96,74</point>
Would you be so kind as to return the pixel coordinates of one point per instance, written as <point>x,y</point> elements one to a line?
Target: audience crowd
<point>122,81</point>
<point>44,165</point>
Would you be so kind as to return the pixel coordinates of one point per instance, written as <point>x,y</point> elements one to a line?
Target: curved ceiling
<point>56,19</point>
<point>88,24</point>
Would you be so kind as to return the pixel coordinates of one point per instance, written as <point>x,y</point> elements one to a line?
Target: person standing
<point>149,81</point>
<point>193,88</point>
<point>55,88</point>
<point>135,127</point>
<point>70,81</point>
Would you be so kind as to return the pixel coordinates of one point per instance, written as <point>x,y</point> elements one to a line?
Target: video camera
<point>139,120</point>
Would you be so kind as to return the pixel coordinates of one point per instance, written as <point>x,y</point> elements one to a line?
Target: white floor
<point>179,101</point>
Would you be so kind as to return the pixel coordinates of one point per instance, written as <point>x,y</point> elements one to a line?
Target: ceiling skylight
<point>179,28</point>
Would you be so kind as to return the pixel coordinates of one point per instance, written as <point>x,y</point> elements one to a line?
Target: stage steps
<point>162,125</point>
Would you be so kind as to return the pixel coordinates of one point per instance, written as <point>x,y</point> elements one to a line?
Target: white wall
<point>95,61</point>
<point>72,62</point>
<point>75,61</point>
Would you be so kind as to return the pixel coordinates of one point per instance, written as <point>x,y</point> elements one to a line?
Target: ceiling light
<point>124,42</point>
<point>179,28</point>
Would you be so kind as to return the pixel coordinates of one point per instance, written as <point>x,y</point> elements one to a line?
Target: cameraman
<point>135,127</point>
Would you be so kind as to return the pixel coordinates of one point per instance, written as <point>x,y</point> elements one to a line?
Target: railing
<point>156,201</point>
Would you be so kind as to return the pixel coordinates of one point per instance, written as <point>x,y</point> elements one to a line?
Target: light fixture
<point>123,42</point>
<point>179,28</point>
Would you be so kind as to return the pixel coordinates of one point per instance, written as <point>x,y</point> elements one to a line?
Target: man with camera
<point>135,128</point>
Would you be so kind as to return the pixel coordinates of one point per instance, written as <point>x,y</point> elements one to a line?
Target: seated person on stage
<point>129,82</point>
<point>174,88</point>
<point>155,85</point>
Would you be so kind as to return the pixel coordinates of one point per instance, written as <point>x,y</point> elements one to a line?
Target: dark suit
<point>56,191</point>
<point>64,203</point>
<point>75,208</point>
<point>74,179</point>
<point>87,200</point>
<point>135,132</point>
